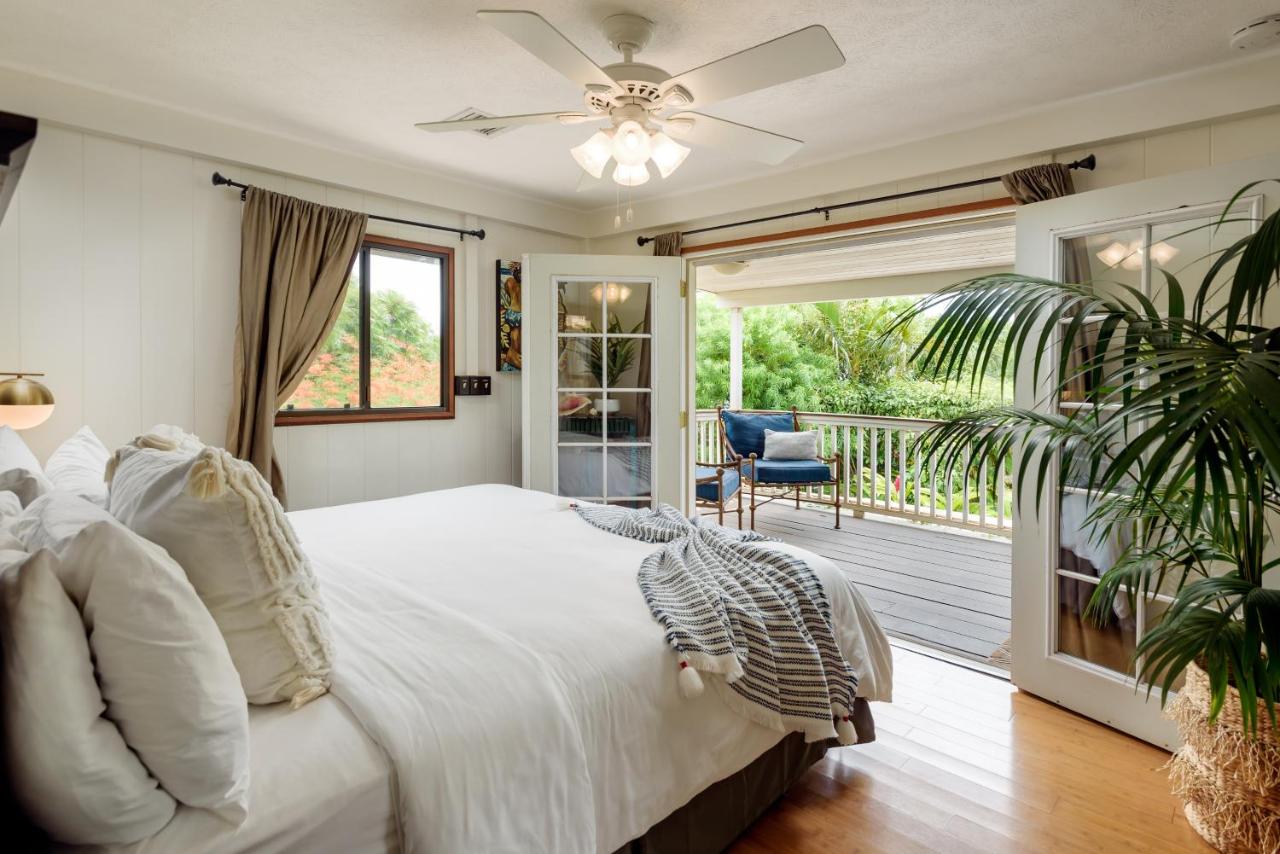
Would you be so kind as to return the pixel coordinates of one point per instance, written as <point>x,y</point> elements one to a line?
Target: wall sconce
<point>24,403</point>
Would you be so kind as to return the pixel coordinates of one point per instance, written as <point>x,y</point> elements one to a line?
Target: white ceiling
<point>356,76</point>
<point>958,248</point>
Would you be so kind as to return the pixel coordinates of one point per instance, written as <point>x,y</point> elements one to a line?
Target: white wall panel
<point>112,296</point>
<point>51,246</point>
<point>168,290</point>
<point>119,276</point>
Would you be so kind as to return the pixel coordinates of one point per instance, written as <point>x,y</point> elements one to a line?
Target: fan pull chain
<point>617,207</point>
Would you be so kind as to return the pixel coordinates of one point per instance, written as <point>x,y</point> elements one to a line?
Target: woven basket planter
<point>1229,783</point>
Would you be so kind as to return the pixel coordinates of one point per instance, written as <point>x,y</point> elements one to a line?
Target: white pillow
<point>163,669</point>
<point>216,516</point>
<point>78,467</point>
<point>20,471</point>
<point>800,445</point>
<point>10,508</point>
<point>69,767</point>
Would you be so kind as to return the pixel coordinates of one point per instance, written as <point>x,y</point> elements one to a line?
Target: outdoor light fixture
<point>1130,256</point>
<point>614,291</point>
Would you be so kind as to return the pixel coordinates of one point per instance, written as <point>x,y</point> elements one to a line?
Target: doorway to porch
<point>811,327</point>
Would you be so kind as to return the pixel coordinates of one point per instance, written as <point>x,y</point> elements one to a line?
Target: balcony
<point>929,549</point>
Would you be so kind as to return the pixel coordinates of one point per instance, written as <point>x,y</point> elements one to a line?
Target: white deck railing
<point>883,474</point>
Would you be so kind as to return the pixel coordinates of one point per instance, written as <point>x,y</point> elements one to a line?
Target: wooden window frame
<point>365,412</point>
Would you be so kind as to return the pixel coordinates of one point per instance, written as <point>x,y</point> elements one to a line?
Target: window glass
<point>333,379</point>
<point>388,349</point>
<point>404,329</point>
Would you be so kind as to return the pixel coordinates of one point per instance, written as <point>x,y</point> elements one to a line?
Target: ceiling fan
<point>645,106</point>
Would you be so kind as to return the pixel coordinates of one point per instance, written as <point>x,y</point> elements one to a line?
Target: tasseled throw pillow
<point>217,517</point>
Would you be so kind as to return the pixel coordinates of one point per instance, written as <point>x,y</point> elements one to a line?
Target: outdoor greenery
<point>404,357</point>
<point>1178,442</point>
<point>851,358</point>
<point>845,357</point>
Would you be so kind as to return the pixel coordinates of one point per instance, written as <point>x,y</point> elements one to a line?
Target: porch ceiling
<point>980,247</point>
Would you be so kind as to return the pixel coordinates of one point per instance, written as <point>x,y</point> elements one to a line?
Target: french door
<point>605,389</point>
<point>1127,235</point>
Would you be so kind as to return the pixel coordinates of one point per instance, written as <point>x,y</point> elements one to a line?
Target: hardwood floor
<point>947,589</point>
<point>965,762</point>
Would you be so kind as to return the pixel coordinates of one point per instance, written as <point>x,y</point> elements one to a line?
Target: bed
<point>501,686</point>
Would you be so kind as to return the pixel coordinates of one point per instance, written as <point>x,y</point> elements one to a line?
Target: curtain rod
<point>1083,163</point>
<point>220,180</point>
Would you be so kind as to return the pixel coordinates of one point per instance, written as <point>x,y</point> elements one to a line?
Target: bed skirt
<point>721,812</point>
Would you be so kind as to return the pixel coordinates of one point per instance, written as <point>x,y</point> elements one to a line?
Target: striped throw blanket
<point>756,617</point>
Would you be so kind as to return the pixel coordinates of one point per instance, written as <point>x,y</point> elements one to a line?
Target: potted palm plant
<point>1177,444</point>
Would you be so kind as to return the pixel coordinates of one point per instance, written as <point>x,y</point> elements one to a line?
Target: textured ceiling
<point>357,75</point>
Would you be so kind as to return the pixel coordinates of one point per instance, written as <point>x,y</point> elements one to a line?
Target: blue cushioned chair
<point>715,484</point>
<point>742,439</point>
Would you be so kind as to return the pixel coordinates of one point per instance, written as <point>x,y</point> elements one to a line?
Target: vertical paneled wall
<point>119,268</point>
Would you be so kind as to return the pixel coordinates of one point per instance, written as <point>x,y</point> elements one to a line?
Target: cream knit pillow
<point>216,516</point>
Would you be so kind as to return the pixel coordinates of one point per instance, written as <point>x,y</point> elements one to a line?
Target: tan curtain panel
<point>1039,183</point>
<point>294,260</point>
<point>668,244</point>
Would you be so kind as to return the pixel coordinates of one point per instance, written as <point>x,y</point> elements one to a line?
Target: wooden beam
<point>837,227</point>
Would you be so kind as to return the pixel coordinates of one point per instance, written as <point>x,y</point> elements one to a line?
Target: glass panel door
<point>604,370</point>
<point>605,389</point>
<point>1130,236</point>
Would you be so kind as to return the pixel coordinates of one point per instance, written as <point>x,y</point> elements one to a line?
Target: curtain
<point>1039,183</point>
<point>294,260</point>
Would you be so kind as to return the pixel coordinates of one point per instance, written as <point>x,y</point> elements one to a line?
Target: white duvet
<point>499,650</point>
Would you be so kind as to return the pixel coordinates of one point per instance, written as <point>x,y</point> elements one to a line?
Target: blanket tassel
<point>690,681</point>
<point>845,733</point>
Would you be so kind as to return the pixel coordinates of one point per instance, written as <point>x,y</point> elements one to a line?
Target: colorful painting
<point>508,315</point>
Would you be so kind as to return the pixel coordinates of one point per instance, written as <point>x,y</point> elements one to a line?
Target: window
<point>390,354</point>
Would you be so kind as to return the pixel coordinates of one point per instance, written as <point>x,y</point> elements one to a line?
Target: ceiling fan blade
<point>532,32</point>
<point>800,54</point>
<point>486,122</point>
<point>751,143</point>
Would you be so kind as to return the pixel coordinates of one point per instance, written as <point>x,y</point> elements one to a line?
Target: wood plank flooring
<point>946,589</point>
<point>967,764</point>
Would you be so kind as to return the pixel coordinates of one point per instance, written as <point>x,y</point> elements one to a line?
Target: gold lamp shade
<point>24,403</point>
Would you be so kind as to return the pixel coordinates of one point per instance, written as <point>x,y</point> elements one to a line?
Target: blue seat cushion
<point>788,471</point>
<point>710,491</point>
<point>745,430</point>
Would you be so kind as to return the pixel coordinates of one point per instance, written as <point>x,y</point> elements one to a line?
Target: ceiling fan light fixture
<point>630,144</point>
<point>629,175</point>
<point>594,154</point>
<point>667,154</point>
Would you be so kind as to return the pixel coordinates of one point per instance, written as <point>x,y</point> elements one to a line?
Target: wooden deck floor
<point>947,589</point>
<point>965,763</point>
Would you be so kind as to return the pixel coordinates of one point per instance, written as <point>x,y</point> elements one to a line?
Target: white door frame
<point>671,472</point>
<point>1090,689</point>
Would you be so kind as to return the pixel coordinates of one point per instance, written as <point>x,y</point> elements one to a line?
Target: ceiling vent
<point>473,113</point>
